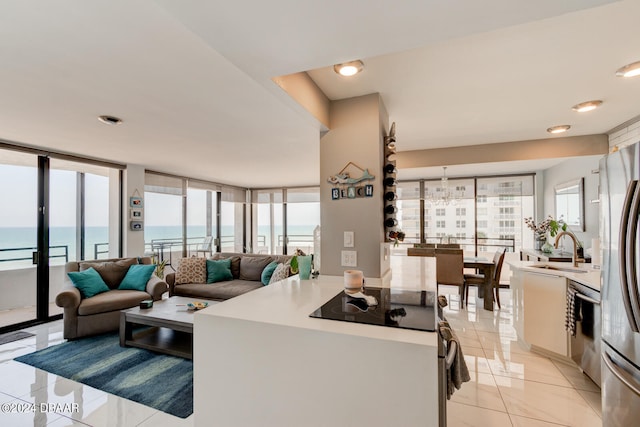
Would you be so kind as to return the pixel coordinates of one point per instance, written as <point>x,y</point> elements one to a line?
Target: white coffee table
<point>171,329</point>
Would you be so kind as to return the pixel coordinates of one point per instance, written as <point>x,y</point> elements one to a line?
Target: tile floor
<point>509,385</point>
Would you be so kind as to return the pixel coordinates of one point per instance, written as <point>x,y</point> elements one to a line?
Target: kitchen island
<point>260,360</point>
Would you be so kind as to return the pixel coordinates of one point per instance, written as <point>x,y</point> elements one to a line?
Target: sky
<point>18,186</point>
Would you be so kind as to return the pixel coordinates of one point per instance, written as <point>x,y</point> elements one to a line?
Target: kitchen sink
<point>556,268</point>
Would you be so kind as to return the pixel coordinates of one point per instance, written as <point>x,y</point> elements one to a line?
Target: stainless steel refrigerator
<point>619,229</point>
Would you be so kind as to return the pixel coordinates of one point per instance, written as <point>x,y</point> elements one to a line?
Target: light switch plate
<point>349,259</point>
<point>348,239</point>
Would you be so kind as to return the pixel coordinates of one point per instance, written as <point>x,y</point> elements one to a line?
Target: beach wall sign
<point>346,186</point>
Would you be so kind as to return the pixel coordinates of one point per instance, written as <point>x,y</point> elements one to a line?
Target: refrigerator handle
<point>632,247</point>
<point>620,373</point>
<point>625,258</point>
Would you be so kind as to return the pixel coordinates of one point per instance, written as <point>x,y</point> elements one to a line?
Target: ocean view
<point>22,240</point>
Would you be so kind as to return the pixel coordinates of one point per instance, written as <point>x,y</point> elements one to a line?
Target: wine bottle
<point>390,209</point>
<point>389,196</point>
<point>389,168</point>
<point>389,181</point>
<point>390,222</point>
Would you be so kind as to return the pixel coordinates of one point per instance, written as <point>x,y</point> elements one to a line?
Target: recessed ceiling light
<point>586,106</point>
<point>559,129</point>
<point>349,68</point>
<point>630,70</point>
<point>110,120</point>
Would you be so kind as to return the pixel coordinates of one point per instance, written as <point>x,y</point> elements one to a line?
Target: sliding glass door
<point>18,237</point>
<point>56,210</point>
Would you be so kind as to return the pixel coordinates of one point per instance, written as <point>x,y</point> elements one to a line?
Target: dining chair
<point>448,246</point>
<point>425,245</point>
<point>431,252</point>
<point>478,280</point>
<point>450,270</point>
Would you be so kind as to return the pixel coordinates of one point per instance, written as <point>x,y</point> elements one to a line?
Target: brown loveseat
<point>245,268</point>
<point>101,313</point>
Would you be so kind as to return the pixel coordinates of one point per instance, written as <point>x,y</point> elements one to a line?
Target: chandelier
<point>443,195</point>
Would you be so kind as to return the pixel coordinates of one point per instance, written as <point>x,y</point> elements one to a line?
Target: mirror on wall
<point>569,200</point>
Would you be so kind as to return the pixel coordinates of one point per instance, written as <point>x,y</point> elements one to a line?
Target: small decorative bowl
<point>197,305</point>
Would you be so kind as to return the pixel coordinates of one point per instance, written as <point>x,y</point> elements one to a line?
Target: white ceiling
<point>192,79</point>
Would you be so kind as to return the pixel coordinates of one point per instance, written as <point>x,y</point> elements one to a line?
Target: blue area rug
<point>159,381</point>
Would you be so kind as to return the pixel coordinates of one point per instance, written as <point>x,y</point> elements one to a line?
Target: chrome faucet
<point>575,245</point>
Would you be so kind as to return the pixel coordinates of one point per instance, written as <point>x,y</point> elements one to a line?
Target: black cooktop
<point>396,308</point>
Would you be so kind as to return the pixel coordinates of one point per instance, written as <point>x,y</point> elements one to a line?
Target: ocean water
<point>18,243</point>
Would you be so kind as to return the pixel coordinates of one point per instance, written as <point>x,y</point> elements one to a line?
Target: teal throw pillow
<point>89,282</point>
<point>219,270</point>
<point>137,277</point>
<point>268,272</point>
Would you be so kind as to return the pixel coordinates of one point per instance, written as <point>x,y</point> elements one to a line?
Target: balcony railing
<point>20,254</point>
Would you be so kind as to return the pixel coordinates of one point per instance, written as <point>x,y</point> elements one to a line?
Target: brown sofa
<point>245,268</point>
<point>101,313</point>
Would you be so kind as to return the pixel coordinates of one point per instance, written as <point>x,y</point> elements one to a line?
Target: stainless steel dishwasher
<point>585,345</point>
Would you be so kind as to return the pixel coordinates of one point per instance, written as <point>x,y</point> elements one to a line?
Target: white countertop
<point>590,278</point>
<point>289,302</point>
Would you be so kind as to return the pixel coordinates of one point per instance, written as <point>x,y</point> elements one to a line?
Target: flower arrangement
<point>548,225</point>
<point>397,236</point>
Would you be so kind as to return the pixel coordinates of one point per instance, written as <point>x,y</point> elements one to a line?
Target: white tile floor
<point>509,385</point>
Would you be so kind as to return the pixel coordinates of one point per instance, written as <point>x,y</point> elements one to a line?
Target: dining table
<point>485,267</point>
<point>480,264</point>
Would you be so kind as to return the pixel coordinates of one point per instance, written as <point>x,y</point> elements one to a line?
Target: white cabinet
<point>544,306</point>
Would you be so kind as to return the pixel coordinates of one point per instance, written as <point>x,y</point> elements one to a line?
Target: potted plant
<point>294,267</point>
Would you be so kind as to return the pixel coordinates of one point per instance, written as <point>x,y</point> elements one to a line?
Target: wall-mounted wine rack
<point>389,182</point>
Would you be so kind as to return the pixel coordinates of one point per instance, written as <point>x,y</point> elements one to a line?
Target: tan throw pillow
<point>112,272</point>
<point>251,267</point>
<point>192,270</point>
<point>280,273</point>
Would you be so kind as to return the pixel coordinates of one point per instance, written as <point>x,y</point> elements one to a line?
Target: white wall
<point>579,167</point>
<point>133,244</point>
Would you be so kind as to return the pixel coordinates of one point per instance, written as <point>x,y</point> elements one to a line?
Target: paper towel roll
<point>353,279</point>
<point>595,252</point>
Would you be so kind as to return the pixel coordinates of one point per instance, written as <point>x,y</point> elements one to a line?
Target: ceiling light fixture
<point>629,70</point>
<point>586,106</point>
<point>110,120</point>
<point>443,195</point>
<point>559,129</point>
<point>349,68</point>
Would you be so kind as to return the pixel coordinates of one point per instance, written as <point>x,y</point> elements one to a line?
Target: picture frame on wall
<point>136,225</point>
<point>136,214</point>
<point>135,202</point>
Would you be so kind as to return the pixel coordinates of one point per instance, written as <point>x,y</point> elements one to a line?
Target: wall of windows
<point>179,213</point>
<point>298,208</point>
<point>486,214</point>
<point>268,221</point>
<point>59,211</point>
<point>303,219</point>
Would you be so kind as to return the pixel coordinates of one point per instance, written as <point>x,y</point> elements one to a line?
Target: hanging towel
<point>442,301</point>
<point>573,311</point>
<point>458,373</point>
